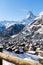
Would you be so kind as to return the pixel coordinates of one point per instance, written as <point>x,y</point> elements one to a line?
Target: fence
<point>15,60</point>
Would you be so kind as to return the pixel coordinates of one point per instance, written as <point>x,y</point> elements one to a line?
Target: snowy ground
<point>7,63</point>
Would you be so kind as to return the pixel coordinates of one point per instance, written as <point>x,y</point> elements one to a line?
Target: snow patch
<point>9,24</point>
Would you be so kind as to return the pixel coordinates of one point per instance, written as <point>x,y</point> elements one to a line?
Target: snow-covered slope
<point>36,25</point>
<point>7,23</point>
<point>34,31</point>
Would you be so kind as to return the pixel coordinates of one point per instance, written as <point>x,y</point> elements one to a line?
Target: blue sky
<point>18,9</point>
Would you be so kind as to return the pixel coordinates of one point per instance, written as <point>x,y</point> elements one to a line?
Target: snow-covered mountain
<point>30,30</point>
<point>34,31</point>
<point>10,29</point>
<point>37,25</point>
<point>29,18</point>
<point>30,38</point>
<point>13,29</point>
<point>9,25</point>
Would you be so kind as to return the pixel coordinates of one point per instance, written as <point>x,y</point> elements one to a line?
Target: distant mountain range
<point>9,28</point>
<point>29,18</point>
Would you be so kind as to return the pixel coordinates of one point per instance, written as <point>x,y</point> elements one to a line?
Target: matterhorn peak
<point>29,14</point>
<point>29,18</point>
